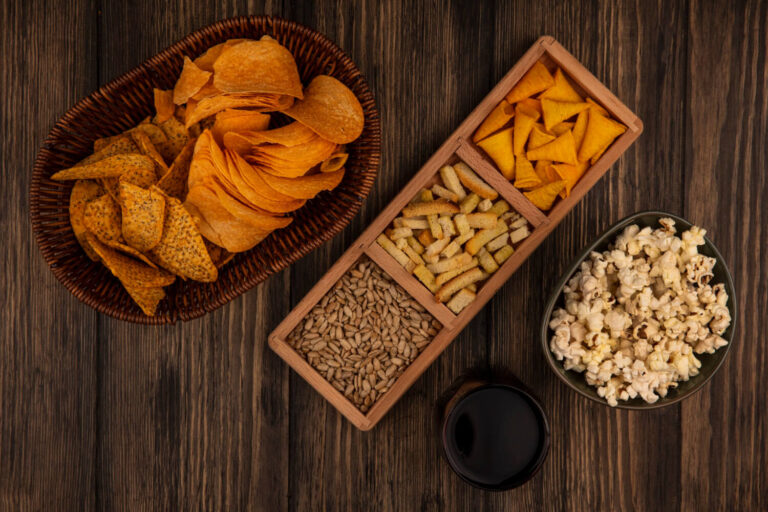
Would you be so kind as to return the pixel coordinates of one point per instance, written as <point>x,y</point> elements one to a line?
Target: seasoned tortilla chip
<point>174,182</point>
<point>110,167</point>
<point>147,298</point>
<point>143,213</point>
<point>499,148</point>
<point>118,145</point>
<point>164,107</point>
<point>127,249</point>
<point>263,66</point>
<point>303,187</point>
<point>155,134</point>
<point>177,137</point>
<point>181,249</point>
<point>600,133</point>
<point>211,105</point>
<point>128,270</point>
<point>191,80</point>
<point>330,109</point>
<point>562,149</point>
<point>146,147</point>
<point>82,192</point>
<point>555,112</point>
<point>562,90</point>
<point>544,196</point>
<point>537,79</point>
<point>495,121</point>
<point>102,218</point>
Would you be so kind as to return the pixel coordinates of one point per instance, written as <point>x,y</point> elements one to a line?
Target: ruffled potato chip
<point>146,147</point>
<point>537,79</point>
<point>164,107</point>
<point>544,197</point>
<point>146,298</point>
<point>129,271</point>
<point>600,133</point>
<point>334,162</point>
<point>555,112</point>
<point>495,121</point>
<point>538,137</point>
<point>191,80</point>
<point>263,66</point>
<point>82,192</point>
<point>109,167</point>
<point>525,118</point>
<point>525,174</point>
<point>562,90</point>
<point>330,109</point>
<point>499,147</point>
<point>562,149</point>
<point>210,106</point>
<point>102,218</point>
<point>570,174</point>
<point>181,249</point>
<point>234,120</point>
<point>303,187</point>
<point>174,182</point>
<point>143,213</point>
<point>218,225</point>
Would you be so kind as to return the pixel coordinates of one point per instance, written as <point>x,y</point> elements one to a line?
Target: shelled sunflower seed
<point>364,333</point>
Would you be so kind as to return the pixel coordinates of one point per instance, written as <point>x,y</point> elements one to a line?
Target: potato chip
<point>219,225</point>
<point>555,112</point>
<point>234,120</point>
<point>537,79</point>
<point>580,128</point>
<point>263,66</point>
<point>191,80</point>
<point>495,121</point>
<point>164,107</point>
<point>117,145</point>
<point>250,184</point>
<point>544,196</point>
<point>538,137</point>
<point>562,90</point>
<point>499,147</point>
<point>525,118</point>
<point>109,167</point>
<point>561,128</point>
<point>209,234</point>
<point>291,162</point>
<point>206,60</point>
<point>83,192</point>
<point>330,109</point>
<point>562,149</point>
<point>102,218</point>
<point>146,147</point>
<point>147,298</point>
<point>211,105</point>
<point>181,249</point>
<point>257,218</point>
<point>570,174</point>
<point>593,105</point>
<point>127,249</point>
<point>177,137</point>
<point>525,175</point>
<point>303,187</point>
<point>174,182</point>
<point>129,271</point>
<point>601,132</point>
<point>143,213</point>
<point>333,163</point>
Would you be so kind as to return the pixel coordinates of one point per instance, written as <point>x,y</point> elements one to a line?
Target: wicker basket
<point>128,99</point>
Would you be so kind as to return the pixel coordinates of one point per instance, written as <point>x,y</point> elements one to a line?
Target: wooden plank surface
<point>96,414</point>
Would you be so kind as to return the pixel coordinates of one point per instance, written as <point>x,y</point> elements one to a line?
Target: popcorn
<point>635,316</point>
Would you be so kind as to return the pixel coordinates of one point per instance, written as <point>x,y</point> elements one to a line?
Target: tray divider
<point>495,179</point>
<point>411,285</point>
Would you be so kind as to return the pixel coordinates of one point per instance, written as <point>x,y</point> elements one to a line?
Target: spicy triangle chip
<point>580,128</point>
<point>570,174</point>
<point>562,90</point>
<point>330,109</point>
<point>495,121</point>
<point>499,147</point>
<point>563,127</point>
<point>143,215</point>
<point>537,79</point>
<point>600,133</point>
<point>525,118</point>
<point>555,112</point>
<point>539,137</point>
<point>544,196</point>
<point>525,175</point>
<point>562,149</point>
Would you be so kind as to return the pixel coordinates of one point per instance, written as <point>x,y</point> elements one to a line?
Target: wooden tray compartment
<point>457,147</point>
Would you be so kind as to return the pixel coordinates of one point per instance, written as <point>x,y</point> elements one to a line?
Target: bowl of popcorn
<point>644,316</point>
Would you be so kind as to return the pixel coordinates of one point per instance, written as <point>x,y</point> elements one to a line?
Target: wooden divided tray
<point>458,147</point>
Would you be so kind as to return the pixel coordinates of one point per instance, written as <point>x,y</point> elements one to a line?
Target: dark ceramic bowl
<point>709,362</point>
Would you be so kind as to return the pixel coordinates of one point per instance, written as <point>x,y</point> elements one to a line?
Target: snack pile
<point>636,315</point>
<point>544,136</point>
<point>212,173</point>
<point>451,239</point>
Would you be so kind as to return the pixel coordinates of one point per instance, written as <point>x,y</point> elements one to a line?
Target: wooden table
<point>101,414</point>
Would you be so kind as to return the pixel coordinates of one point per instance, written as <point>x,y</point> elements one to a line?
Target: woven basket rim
<point>41,169</point>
